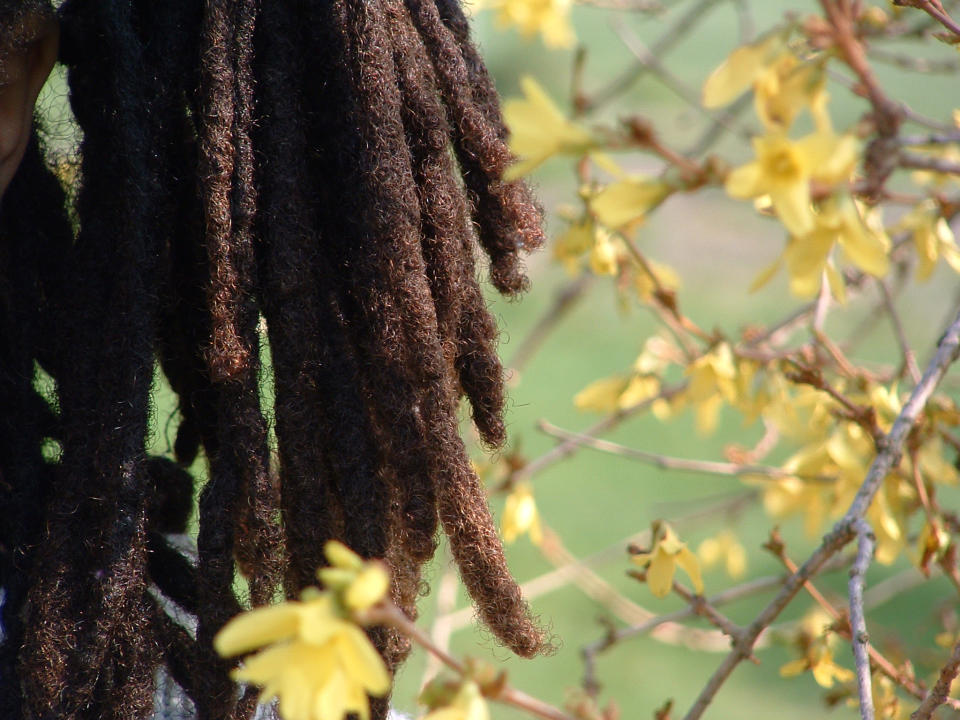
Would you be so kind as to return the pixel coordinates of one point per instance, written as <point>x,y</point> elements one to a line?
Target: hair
<point>312,179</point>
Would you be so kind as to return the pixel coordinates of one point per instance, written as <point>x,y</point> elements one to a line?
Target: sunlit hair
<point>310,177</point>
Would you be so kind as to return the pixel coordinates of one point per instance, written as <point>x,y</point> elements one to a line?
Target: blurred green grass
<point>595,500</point>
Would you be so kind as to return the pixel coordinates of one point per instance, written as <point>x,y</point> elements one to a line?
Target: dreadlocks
<point>305,177</point>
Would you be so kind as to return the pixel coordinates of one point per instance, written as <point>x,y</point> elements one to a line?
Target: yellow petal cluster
<point>358,584</point>
<point>539,130</point>
<point>819,661</point>
<point>932,238</point>
<point>549,18</point>
<point>784,168</point>
<point>785,88</point>
<point>520,515</point>
<point>838,223</point>
<point>739,71</point>
<point>661,562</point>
<point>313,657</point>
<point>627,201</point>
<point>712,381</point>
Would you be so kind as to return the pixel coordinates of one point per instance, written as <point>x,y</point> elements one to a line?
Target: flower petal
<point>361,661</point>
<point>688,561</point>
<point>792,203</point>
<point>660,573</point>
<point>745,181</point>
<point>369,587</point>
<point>257,628</point>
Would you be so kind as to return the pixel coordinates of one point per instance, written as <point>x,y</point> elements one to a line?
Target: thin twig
<point>929,162</point>
<point>390,615</point>
<point>690,96</point>
<point>931,138</point>
<point>753,587</point>
<point>909,359</point>
<point>671,37</point>
<point>915,64</point>
<point>934,9</point>
<point>859,639</point>
<point>671,463</point>
<point>941,691</point>
<point>569,447</point>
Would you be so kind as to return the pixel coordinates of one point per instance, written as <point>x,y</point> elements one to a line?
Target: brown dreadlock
<point>309,176</point>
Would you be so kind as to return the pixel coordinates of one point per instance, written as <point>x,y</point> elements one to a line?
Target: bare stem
<point>670,463</point>
<point>941,691</point>
<point>858,623</point>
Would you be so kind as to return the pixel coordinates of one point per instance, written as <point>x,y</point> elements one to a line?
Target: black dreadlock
<point>313,176</point>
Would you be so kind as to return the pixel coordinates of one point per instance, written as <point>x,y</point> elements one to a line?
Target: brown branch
<point>933,8</point>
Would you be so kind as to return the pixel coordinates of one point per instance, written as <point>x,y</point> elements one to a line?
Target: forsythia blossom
<point>662,560</point>
<point>739,71</point>
<point>784,168</point>
<point>628,200</point>
<point>550,18</point>
<point>539,130</point>
<point>520,515</point>
<point>314,658</point>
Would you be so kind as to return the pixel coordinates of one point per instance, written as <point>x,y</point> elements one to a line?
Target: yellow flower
<point>784,168</point>
<point>628,200</point>
<point>312,657</point>
<point>838,223</point>
<point>539,130</point>
<point>358,584</point>
<point>740,70</point>
<point>786,87</point>
<point>803,413</point>
<point>320,665</point>
<point>603,256</point>
<point>467,704</point>
<point>661,562</point>
<point>520,515</point>
<point>712,381</point>
<point>601,395</point>
<point>932,238</point>
<point>726,547</point>
<point>819,660</point>
<point>550,18</point>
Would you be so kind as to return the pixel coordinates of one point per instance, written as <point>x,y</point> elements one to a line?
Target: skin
<point>22,74</point>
